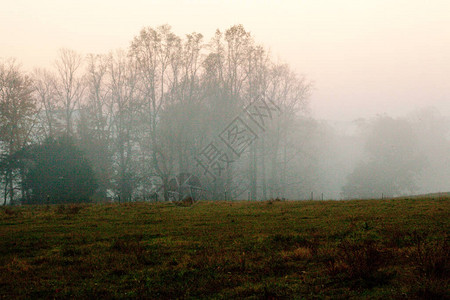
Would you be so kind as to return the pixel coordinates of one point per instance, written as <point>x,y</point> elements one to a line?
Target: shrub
<point>431,257</point>
<point>286,242</point>
<point>362,258</point>
<point>10,212</point>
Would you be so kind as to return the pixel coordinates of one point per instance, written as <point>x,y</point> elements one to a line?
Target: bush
<point>431,257</point>
<point>361,258</point>
<point>72,209</point>
<point>286,242</point>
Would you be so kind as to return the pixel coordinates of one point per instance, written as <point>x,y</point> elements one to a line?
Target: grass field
<point>274,249</point>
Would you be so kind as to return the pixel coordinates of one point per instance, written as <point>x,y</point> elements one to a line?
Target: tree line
<point>139,116</point>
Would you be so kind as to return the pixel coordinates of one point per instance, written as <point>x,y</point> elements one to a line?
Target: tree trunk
<point>5,191</point>
<point>11,188</point>
<point>263,168</point>
<point>253,179</point>
<point>274,188</point>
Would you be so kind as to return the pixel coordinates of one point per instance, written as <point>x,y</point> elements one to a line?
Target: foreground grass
<point>294,249</point>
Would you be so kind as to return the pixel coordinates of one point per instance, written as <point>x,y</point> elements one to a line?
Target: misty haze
<point>183,164</point>
<point>167,106</point>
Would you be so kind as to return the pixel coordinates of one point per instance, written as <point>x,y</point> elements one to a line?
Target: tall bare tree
<point>124,105</point>
<point>18,113</point>
<point>69,84</point>
<point>48,101</point>
<point>156,52</point>
<point>290,92</point>
<point>95,123</point>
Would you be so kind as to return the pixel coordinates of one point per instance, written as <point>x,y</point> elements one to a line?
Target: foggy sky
<point>364,57</point>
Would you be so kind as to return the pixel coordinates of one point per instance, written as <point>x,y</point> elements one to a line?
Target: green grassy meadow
<point>397,248</point>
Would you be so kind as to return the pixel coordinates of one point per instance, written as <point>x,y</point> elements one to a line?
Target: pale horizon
<point>365,58</point>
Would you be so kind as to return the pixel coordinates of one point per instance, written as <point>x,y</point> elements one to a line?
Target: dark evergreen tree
<point>58,172</point>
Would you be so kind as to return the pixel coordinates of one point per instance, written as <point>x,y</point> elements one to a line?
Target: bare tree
<point>17,118</point>
<point>155,52</point>
<point>290,92</point>
<point>45,88</point>
<point>69,84</point>
<point>125,103</point>
<point>95,122</point>
<point>98,94</point>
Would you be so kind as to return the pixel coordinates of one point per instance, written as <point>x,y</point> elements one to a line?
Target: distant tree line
<point>137,117</point>
<point>401,156</point>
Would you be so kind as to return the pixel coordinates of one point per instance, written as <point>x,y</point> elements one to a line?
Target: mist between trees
<point>141,115</point>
